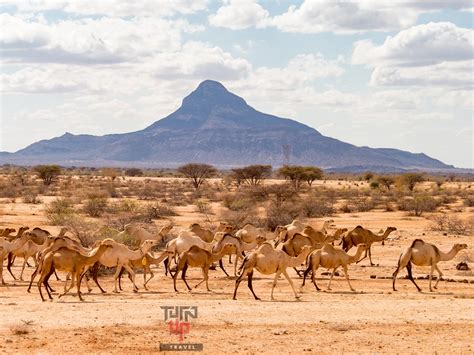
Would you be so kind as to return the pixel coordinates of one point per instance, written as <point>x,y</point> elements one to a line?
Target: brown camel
<point>361,235</point>
<point>198,257</point>
<point>72,261</point>
<point>424,254</point>
<point>331,258</point>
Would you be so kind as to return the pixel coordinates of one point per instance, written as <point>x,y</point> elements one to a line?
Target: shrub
<point>203,206</point>
<point>419,204</point>
<point>82,229</point>
<point>158,210</point>
<point>451,224</point>
<point>59,210</point>
<point>95,206</point>
<point>374,185</point>
<point>313,206</point>
<point>362,205</point>
<point>31,197</point>
<point>133,172</point>
<point>240,218</point>
<point>47,173</point>
<point>469,201</point>
<point>278,215</point>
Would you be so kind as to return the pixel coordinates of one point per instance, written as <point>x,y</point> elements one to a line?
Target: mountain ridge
<point>215,126</point>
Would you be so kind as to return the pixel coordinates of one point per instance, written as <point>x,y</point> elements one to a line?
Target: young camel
<point>331,258</point>
<point>268,260</point>
<point>72,261</point>
<point>197,257</point>
<point>119,256</point>
<point>424,254</point>
<point>6,233</point>
<point>6,248</point>
<point>145,264</point>
<point>223,239</point>
<point>361,235</point>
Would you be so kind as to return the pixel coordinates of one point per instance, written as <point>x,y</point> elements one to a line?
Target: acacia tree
<point>112,173</point>
<point>411,179</point>
<point>386,181</point>
<point>312,173</point>
<point>252,174</point>
<point>197,172</point>
<point>293,173</point>
<point>47,173</point>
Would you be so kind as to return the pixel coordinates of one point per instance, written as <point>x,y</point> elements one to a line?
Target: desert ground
<point>374,319</point>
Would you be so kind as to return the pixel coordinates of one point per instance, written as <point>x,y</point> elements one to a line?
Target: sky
<point>376,73</point>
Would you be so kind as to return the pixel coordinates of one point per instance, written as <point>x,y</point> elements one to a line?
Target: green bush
<point>95,206</point>
<point>59,210</point>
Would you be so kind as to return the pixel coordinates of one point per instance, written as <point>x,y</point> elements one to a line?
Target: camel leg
<point>291,283</point>
<point>250,286</point>
<point>370,256</point>
<point>347,278</point>
<point>23,268</point>
<point>165,263</point>
<point>1,268</point>
<point>45,282</point>
<point>132,276</point>
<point>410,276</point>
<point>431,274</point>
<point>183,276</point>
<point>366,253</point>
<point>33,277</point>
<point>277,275</point>
<point>330,279</point>
<point>313,278</point>
<point>237,283</point>
<point>66,289</point>
<point>79,277</point>
<point>152,275</point>
<point>236,261</point>
<point>9,265</point>
<point>230,258</point>
<point>120,278</point>
<point>94,270</point>
<point>439,277</point>
<point>221,265</point>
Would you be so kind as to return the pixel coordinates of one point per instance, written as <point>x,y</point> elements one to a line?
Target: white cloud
<point>439,54</point>
<point>113,8</point>
<point>240,14</point>
<point>87,41</point>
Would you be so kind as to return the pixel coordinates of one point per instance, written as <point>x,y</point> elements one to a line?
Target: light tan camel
<point>316,239</point>
<point>141,234</point>
<point>20,232</point>
<point>120,256</point>
<point>223,239</point>
<point>268,260</point>
<point>285,232</point>
<point>31,249</point>
<point>145,263</point>
<point>424,254</point>
<point>331,258</point>
<point>249,233</point>
<point>197,257</point>
<point>361,235</point>
<point>6,233</point>
<point>71,261</point>
<point>6,247</point>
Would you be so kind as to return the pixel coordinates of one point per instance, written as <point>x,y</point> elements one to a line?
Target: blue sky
<point>377,73</point>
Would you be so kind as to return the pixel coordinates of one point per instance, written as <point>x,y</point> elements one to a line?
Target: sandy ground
<point>372,320</point>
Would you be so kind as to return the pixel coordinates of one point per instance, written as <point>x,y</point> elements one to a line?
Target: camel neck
<point>449,255</point>
<point>356,256</point>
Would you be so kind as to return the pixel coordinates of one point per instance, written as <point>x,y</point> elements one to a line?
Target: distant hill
<point>217,127</point>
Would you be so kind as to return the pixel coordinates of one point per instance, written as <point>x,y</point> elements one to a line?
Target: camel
<point>424,254</point>
<point>268,260</point>
<point>39,235</point>
<point>6,233</point>
<point>66,259</point>
<point>240,246</point>
<point>28,250</point>
<point>197,257</point>
<point>316,239</point>
<point>119,256</point>
<point>145,264</point>
<point>140,234</point>
<point>361,235</point>
<point>331,258</point>
<point>20,232</point>
<point>249,233</point>
<point>185,240</point>
<point>57,243</point>
<point>285,232</point>
<point>6,247</point>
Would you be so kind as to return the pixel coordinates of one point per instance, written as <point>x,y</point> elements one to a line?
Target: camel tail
<point>241,267</point>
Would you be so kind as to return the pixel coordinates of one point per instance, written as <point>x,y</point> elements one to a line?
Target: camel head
<point>147,245</point>
<point>7,231</point>
<point>24,228</point>
<point>388,231</point>
<point>260,240</point>
<point>460,246</point>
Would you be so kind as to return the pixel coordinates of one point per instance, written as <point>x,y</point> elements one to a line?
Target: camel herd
<point>292,245</point>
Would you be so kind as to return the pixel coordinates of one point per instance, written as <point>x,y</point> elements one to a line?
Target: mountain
<point>217,127</point>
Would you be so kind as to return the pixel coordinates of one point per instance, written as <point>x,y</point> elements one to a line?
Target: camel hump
<point>416,241</point>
